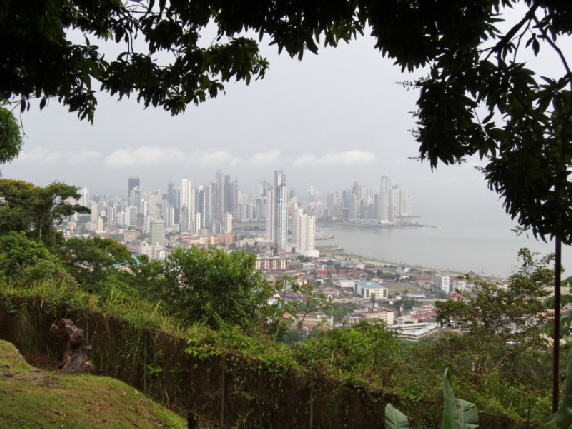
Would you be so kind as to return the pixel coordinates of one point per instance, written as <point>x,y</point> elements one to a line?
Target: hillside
<point>30,397</point>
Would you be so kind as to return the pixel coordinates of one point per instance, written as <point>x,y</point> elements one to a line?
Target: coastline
<point>487,251</point>
<point>369,260</point>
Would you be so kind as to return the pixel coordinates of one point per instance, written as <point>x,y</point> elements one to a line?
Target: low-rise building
<point>415,331</point>
<point>371,289</point>
<point>153,252</point>
<point>271,263</point>
<point>387,316</point>
<point>345,284</point>
<point>311,321</point>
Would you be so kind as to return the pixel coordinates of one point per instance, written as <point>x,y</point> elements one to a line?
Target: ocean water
<point>480,246</point>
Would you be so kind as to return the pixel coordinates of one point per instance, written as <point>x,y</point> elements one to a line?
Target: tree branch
<point>557,49</point>
<point>503,42</point>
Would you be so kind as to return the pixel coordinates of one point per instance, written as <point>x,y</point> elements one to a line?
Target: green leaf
<point>562,418</point>
<point>457,413</point>
<point>395,419</point>
<point>468,415</point>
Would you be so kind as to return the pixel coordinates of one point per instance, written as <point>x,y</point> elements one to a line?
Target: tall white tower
<point>305,234</point>
<point>280,211</point>
<point>385,199</point>
<point>270,230</point>
<point>187,206</point>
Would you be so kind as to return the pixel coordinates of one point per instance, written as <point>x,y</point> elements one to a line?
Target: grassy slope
<point>31,398</point>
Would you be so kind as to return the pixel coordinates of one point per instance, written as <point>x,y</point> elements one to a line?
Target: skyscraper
<point>132,183</point>
<point>384,199</point>
<point>187,206</point>
<point>270,208</point>
<point>305,234</point>
<point>172,195</point>
<point>280,211</point>
<point>157,232</point>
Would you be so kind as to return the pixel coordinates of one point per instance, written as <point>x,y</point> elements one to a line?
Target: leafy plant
<point>216,288</point>
<point>457,413</point>
<point>395,419</point>
<point>513,314</point>
<point>562,418</point>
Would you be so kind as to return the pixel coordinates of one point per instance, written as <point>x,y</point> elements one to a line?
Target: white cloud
<point>85,156</point>
<point>159,155</point>
<point>145,155</point>
<point>264,158</point>
<point>216,158</point>
<point>42,156</point>
<point>351,157</point>
<point>306,159</point>
<point>154,155</point>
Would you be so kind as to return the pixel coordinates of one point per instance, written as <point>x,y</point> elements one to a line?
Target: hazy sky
<point>327,121</point>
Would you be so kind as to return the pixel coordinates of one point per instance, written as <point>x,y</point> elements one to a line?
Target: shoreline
<point>381,262</point>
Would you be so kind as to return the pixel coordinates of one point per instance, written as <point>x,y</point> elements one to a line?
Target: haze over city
<point>328,120</point>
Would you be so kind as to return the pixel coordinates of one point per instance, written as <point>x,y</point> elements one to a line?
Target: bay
<point>481,247</point>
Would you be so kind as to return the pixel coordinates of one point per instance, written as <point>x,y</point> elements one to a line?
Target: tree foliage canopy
<point>34,209</point>
<point>87,260</point>
<point>515,313</point>
<point>49,51</point>
<point>10,136</point>
<point>216,288</point>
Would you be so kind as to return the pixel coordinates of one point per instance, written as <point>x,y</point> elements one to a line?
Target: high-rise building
<point>261,203</point>
<point>395,203</point>
<point>84,199</point>
<point>404,203</point>
<point>172,195</point>
<point>305,234</point>
<point>227,223</point>
<point>132,183</point>
<point>157,232</point>
<point>204,205</point>
<point>270,207</point>
<point>187,206</point>
<point>384,199</point>
<point>280,211</point>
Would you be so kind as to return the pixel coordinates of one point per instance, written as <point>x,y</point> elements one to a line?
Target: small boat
<point>322,236</point>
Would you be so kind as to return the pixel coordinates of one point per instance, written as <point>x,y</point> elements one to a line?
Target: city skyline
<point>116,216</point>
<point>225,195</point>
<point>208,212</point>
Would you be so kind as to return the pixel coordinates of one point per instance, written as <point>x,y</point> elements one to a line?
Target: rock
<point>73,353</point>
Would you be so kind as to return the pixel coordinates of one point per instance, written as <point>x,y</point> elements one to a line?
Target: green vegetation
<point>219,304</point>
<point>514,314</point>
<point>457,413</point>
<point>498,377</point>
<point>35,398</point>
<point>478,98</point>
<point>34,210</point>
<point>460,414</point>
<point>10,136</point>
<point>213,287</point>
